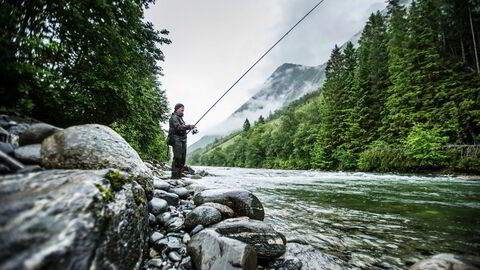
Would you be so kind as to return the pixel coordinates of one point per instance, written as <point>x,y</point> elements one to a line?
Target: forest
<point>406,99</point>
<point>76,62</point>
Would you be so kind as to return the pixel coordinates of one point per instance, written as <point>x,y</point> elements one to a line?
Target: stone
<point>61,219</point>
<point>4,135</point>
<point>196,188</point>
<point>174,256</point>
<point>186,238</point>
<point>202,215</point>
<point>36,133</point>
<point>210,250</point>
<point>157,206</point>
<point>446,261</point>
<point>18,129</point>
<point>313,259</point>
<point>7,148</point>
<point>4,169</point>
<point>151,219</point>
<point>186,264</point>
<point>182,192</point>
<point>242,202</point>
<point>287,263</point>
<point>174,224</point>
<point>197,229</point>
<point>93,147</point>
<point>160,184</point>
<point>196,177</point>
<point>155,262</point>
<point>155,237</point>
<point>12,164</point>
<point>267,242</point>
<point>168,243</point>
<point>226,211</point>
<point>163,218</point>
<point>30,168</point>
<point>29,154</point>
<point>170,198</point>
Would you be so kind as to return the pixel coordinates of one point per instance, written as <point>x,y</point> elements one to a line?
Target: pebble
<point>186,238</point>
<point>174,256</point>
<point>197,229</point>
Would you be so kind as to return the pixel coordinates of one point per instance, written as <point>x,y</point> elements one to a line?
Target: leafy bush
<point>426,146</point>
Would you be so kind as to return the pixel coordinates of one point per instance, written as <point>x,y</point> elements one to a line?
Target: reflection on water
<point>372,221</point>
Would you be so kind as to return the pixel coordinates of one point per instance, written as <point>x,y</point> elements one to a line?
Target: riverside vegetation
<point>407,99</point>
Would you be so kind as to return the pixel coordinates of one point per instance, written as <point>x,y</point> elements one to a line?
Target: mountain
<point>286,84</point>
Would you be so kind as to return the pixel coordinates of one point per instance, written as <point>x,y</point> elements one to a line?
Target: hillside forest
<point>406,99</point>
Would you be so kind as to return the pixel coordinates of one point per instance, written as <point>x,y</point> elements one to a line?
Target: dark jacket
<point>178,130</point>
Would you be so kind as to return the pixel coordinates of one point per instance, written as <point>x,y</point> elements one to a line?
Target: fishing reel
<point>194,131</point>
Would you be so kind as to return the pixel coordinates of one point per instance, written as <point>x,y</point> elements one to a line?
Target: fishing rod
<point>259,59</point>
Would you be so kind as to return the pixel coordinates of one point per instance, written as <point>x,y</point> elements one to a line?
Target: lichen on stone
<point>117,179</point>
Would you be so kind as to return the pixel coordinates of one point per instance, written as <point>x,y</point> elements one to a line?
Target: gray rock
<point>4,169</point>
<point>197,229</point>
<point>447,261</point>
<point>242,202</point>
<point>7,148</point>
<point>261,236</point>
<point>163,218</point>
<point>202,215</point>
<point>29,154</point>
<point>196,188</point>
<point>59,219</point>
<point>313,259</point>
<point>174,224</point>
<point>36,133</point>
<point>210,250</point>
<point>171,198</point>
<point>12,164</point>
<point>169,243</point>
<point>93,147</point>
<point>226,211</point>
<point>17,130</point>
<point>157,206</point>
<point>174,256</point>
<point>30,169</point>
<point>186,238</point>
<point>288,263</point>
<point>155,262</point>
<point>155,237</point>
<point>3,135</point>
<point>160,184</point>
<point>196,177</point>
<point>151,219</point>
<point>186,264</point>
<point>182,192</point>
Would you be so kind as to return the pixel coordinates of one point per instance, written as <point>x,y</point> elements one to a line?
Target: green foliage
<point>76,62</point>
<point>426,146</point>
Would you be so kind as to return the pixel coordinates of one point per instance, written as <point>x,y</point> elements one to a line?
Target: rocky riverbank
<point>81,198</point>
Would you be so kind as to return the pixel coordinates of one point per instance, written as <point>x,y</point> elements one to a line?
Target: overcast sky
<point>215,41</point>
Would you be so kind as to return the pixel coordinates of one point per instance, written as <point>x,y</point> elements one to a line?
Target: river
<point>364,220</point>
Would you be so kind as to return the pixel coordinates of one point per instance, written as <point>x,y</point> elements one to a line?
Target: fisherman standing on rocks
<point>177,138</point>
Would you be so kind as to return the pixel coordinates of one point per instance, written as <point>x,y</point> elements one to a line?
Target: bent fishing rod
<point>259,59</point>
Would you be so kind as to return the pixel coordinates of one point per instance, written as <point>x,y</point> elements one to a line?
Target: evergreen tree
<point>246,125</point>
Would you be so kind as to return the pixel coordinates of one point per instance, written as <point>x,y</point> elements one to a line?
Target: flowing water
<point>365,220</point>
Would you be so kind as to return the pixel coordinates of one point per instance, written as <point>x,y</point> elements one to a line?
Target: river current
<point>364,220</point>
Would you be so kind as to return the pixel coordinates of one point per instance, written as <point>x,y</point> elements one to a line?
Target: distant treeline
<point>401,101</point>
<point>75,62</point>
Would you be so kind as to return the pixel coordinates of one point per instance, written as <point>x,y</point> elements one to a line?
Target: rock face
<point>448,262</point>
<point>91,147</point>
<point>267,242</point>
<point>67,219</point>
<point>242,202</point>
<point>36,133</point>
<point>202,215</point>
<point>209,250</point>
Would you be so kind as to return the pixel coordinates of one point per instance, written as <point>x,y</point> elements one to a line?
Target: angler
<point>177,138</point>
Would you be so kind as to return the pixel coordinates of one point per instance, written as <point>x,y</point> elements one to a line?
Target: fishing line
<point>259,59</point>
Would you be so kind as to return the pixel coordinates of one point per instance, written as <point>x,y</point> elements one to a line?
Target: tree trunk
<point>463,51</point>
<point>474,41</point>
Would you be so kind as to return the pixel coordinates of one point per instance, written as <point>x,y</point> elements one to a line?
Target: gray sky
<point>215,41</point>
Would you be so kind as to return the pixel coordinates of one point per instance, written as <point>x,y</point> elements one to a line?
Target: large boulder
<point>243,202</point>
<point>209,250</point>
<point>447,261</point>
<point>267,242</point>
<point>36,133</point>
<point>202,215</point>
<point>71,219</point>
<point>93,147</point>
